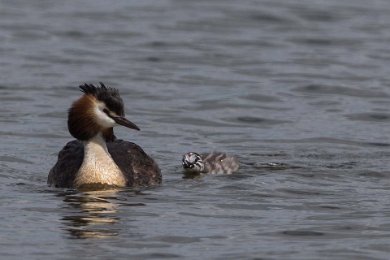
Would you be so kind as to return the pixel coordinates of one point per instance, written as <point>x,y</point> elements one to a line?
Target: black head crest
<point>110,96</point>
<point>93,90</point>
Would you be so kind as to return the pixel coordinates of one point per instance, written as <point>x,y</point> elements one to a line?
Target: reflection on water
<point>191,175</point>
<point>94,214</point>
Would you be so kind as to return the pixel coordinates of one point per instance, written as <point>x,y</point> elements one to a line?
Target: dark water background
<point>298,90</point>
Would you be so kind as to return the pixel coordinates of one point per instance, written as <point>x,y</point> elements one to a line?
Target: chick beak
<point>186,165</point>
<point>123,121</point>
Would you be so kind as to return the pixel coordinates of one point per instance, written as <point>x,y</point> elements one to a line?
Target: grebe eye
<point>105,110</point>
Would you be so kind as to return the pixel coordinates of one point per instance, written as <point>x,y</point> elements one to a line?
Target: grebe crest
<point>98,110</point>
<point>213,163</point>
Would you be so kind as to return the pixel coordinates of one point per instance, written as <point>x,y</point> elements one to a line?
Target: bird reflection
<point>95,214</point>
<point>192,175</point>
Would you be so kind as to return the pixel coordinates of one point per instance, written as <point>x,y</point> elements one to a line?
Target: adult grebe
<point>97,159</point>
<point>213,163</point>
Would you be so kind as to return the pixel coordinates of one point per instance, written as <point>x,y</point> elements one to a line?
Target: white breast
<point>98,167</point>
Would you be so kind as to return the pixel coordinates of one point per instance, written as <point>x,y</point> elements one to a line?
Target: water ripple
<point>297,90</point>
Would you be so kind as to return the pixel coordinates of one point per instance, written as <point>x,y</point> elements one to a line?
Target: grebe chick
<point>97,159</point>
<point>213,163</point>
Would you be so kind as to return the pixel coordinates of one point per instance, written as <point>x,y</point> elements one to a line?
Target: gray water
<point>298,90</point>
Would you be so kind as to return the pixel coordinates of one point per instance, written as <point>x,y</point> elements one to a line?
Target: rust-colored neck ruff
<point>81,123</point>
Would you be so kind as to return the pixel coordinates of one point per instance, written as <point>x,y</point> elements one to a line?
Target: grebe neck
<point>95,145</point>
<point>98,167</point>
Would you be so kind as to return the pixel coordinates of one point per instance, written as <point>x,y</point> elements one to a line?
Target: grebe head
<point>193,162</point>
<point>98,110</point>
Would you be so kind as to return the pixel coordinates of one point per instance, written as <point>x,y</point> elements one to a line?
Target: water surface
<point>298,90</point>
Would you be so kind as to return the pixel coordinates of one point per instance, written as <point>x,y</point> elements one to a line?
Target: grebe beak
<point>123,121</point>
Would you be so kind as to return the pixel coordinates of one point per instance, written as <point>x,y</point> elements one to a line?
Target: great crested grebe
<point>213,163</point>
<point>97,159</point>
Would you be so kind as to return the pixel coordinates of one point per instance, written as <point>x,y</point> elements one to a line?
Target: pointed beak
<point>187,165</point>
<point>123,121</point>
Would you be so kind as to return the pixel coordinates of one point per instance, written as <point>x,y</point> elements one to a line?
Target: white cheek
<point>103,119</point>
